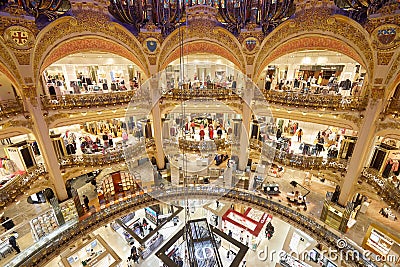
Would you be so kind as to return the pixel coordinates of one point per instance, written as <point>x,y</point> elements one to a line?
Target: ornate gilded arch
<point>219,40</point>
<point>393,80</point>
<point>86,44</point>
<point>200,47</point>
<point>86,25</point>
<point>8,66</point>
<point>312,23</point>
<point>310,42</point>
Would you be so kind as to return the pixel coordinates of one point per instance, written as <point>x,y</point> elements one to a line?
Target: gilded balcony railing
<point>298,160</point>
<point>42,252</point>
<point>388,189</point>
<point>21,182</point>
<point>316,101</point>
<point>110,156</point>
<point>87,100</point>
<point>10,107</point>
<point>187,94</point>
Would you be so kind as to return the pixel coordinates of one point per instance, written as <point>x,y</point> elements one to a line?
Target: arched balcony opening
<point>90,79</point>
<point>318,78</point>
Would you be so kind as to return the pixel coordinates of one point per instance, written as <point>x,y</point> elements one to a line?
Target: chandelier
<point>51,9</point>
<point>234,15</point>
<point>360,10</point>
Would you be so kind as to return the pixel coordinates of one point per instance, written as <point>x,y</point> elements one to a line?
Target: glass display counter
<point>94,253</point>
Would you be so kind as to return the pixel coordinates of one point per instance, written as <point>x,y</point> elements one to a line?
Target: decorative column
<point>361,150</point>
<point>157,125</point>
<point>41,132</point>
<point>246,120</point>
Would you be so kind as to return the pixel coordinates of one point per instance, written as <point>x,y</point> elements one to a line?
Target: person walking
<point>13,242</point>
<point>86,202</point>
<point>299,135</point>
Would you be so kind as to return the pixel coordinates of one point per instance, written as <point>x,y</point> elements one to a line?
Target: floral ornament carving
<point>27,123</point>
<point>384,58</point>
<point>394,69</point>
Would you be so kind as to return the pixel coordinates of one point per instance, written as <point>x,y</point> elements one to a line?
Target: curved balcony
<point>10,108</point>
<point>298,160</point>
<point>113,156</point>
<point>316,101</point>
<point>385,188</point>
<point>47,248</point>
<point>87,100</point>
<point>213,93</point>
<point>19,184</point>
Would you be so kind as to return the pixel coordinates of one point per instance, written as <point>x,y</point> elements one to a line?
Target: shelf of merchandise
<point>43,224</point>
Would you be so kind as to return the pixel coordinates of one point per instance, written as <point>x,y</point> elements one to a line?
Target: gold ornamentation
<point>378,80</point>
<point>92,24</point>
<point>151,46</point>
<point>28,79</point>
<point>250,44</point>
<point>386,37</point>
<point>314,20</point>
<point>19,37</point>
<point>394,68</point>
<point>30,93</point>
<point>23,58</point>
<point>384,58</point>
<point>378,92</point>
<point>152,60</point>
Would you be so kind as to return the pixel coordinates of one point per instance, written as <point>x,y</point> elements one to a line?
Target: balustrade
<point>107,214</point>
<point>388,190</point>
<point>316,101</point>
<point>87,100</point>
<point>10,108</point>
<point>187,94</point>
<point>110,156</point>
<point>19,184</point>
<point>298,160</point>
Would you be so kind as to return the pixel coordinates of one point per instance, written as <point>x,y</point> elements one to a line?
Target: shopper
<point>86,202</point>
<point>202,134</point>
<point>144,223</point>
<point>13,242</point>
<point>7,223</point>
<point>192,124</point>
<point>219,132</point>
<point>299,135</point>
<point>278,134</point>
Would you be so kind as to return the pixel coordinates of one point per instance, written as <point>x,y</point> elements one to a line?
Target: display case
<point>378,240</point>
<point>287,260</point>
<point>119,182</point>
<point>150,245</point>
<point>22,154</point>
<point>68,210</point>
<point>43,224</point>
<point>94,253</point>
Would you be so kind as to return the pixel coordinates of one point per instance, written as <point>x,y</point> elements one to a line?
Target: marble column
<point>361,150</point>
<point>41,132</point>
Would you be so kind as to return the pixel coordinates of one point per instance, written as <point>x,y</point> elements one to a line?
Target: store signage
<point>251,221</point>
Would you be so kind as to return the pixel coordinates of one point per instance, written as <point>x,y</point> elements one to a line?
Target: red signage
<point>245,222</point>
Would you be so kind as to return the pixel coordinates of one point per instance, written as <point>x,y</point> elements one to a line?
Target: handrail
<point>87,100</point>
<point>53,247</point>
<point>298,160</point>
<point>384,188</point>
<point>187,94</point>
<point>11,107</point>
<point>19,184</point>
<point>316,100</point>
